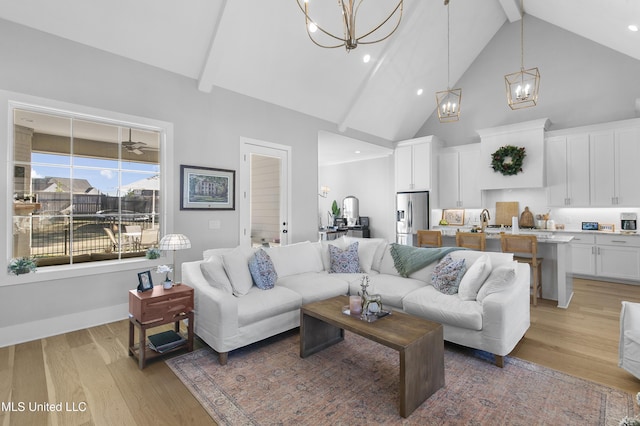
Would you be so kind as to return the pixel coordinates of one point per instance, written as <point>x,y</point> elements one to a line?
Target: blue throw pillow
<point>344,261</point>
<point>262,270</point>
<point>447,275</point>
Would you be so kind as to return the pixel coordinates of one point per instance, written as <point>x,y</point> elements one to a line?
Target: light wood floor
<point>92,366</point>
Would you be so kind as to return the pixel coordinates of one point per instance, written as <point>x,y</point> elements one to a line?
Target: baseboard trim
<point>48,327</point>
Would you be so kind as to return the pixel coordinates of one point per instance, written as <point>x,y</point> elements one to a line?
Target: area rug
<point>355,382</point>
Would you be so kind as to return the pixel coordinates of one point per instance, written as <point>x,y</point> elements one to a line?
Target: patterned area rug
<point>356,382</point>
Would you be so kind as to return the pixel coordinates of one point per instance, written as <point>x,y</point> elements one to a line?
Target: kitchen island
<point>556,280</point>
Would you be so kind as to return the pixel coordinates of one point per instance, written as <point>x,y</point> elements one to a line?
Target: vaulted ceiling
<point>260,48</point>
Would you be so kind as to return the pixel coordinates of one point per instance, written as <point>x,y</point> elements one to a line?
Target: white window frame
<point>9,101</point>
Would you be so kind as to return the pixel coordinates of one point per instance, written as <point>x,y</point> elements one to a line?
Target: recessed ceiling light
<point>366,58</point>
<point>357,152</point>
<point>419,92</point>
<point>633,28</point>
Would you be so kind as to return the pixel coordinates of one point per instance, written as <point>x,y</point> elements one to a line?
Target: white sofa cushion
<point>312,286</point>
<point>236,265</point>
<point>295,259</point>
<point>474,278</point>
<point>213,271</point>
<point>500,278</point>
<point>429,303</point>
<point>368,254</point>
<point>259,305</point>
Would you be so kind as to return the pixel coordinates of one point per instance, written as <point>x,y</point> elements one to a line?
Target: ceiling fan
<point>134,147</point>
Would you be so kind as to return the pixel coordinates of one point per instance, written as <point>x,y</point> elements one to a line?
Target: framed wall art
<point>205,188</point>
<point>453,216</point>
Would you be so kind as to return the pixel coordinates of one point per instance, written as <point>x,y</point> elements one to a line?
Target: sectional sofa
<point>490,312</point>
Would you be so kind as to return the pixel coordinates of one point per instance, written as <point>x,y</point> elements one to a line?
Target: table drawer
<point>161,307</point>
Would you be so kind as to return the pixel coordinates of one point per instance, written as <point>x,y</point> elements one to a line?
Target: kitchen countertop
<point>542,234</point>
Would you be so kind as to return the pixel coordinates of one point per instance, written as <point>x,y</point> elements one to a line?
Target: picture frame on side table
<point>453,216</point>
<point>144,281</point>
<point>206,188</point>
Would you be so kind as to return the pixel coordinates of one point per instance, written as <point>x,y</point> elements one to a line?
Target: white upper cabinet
<point>414,164</point>
<point>594,166</point>
<point>614,167</point>
<point>458,183</point>
<point>627,168</point>
<point>567,164</point>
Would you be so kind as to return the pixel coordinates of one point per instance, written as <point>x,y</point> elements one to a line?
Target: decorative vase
<point>167,284</point>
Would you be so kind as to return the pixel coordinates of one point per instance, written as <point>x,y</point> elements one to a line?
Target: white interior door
<point>264,193</point>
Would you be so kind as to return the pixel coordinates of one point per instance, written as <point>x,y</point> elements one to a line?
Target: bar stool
<point>525,244</point>
<point>429,238</point>
<point>471,240</point>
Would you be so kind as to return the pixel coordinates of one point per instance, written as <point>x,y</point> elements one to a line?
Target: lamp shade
<point>174,242</point>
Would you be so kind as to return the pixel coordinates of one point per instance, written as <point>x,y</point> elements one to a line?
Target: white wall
<point>371,181</point>
<point>207,130</point>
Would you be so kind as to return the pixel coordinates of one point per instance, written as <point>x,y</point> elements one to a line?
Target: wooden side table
<point>159,307</point>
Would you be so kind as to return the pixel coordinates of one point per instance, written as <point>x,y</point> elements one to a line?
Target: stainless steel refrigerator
<point>412,214</point>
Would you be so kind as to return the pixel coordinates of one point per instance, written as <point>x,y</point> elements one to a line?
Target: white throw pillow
<point>213,271</point>
<point>499,279</point>
<point>474,278</point>
<point>236,265</point>
<point>295,259</point>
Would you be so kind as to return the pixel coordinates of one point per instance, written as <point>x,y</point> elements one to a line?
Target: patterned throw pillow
<point>344,261</point>
<point>262,270</point>
<point>447,275</point>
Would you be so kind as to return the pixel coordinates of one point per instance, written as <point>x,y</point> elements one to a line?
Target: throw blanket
<point>408,259</point>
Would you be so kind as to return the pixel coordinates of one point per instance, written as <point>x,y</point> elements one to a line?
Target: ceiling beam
<point>409,15</point>
<point>205,82</point>
<point>511,9</point>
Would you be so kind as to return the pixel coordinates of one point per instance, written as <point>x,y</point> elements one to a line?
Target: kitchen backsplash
<point>536,200</point>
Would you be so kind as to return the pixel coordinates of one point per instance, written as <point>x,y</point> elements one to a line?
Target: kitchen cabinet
<point>618,256</point>
<point>606,256</point>
<point>414,164</point>
<point>583,259</point>
<point>594,166</point>
<point>458,183</point>
<point>614,170</point>
<point>567,162</point>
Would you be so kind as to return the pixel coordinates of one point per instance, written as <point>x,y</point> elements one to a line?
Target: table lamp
<point>174,242</point>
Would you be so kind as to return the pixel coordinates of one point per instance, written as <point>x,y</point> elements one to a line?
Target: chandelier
<point>349,39</point>
<point>522,86</point>
<point>448,101</point>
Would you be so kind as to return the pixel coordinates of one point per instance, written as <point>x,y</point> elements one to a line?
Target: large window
<point>84,189</point>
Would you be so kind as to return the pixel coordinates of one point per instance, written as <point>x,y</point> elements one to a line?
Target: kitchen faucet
<point>484,218</point>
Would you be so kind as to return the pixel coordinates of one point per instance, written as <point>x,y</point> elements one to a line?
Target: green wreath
<point>508,160</point>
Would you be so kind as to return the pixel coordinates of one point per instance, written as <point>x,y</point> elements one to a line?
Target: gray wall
<point>370,181</point>
<point>207,129</point>
<point>581,83</point>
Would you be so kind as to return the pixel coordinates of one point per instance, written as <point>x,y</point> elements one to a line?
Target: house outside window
<point>83,189</point>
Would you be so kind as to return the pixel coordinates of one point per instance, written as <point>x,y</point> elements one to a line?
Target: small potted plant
<point>22,265</point>
<point>153,253</point>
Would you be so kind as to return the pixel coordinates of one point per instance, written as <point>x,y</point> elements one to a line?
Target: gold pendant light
<point>522,86</point>
<point>448,101</point>
<point>350,39</point>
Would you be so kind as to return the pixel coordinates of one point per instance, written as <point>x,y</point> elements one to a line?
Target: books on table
<point>165,341</point>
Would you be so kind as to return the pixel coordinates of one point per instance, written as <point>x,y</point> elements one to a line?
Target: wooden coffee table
<point>419,342</point>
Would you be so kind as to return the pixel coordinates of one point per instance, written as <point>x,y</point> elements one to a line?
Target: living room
<point>583,83</point>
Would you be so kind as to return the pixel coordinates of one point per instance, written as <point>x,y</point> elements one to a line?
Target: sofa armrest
<point>503,312</point>
<point>216,318</point>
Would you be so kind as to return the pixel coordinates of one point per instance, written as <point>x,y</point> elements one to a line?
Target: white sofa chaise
<point>232,312</point>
